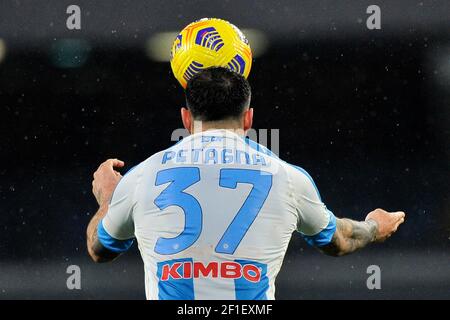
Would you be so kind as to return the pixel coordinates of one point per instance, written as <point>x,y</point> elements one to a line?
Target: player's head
<point>218,97</point>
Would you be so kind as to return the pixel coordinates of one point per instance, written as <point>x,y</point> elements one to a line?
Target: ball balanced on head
<point>206,43</point>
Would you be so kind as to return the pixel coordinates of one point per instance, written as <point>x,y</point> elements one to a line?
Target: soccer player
<point>213,215</point>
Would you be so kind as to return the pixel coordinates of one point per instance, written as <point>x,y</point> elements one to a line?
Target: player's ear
<point>248,119</point>
<point>186,117</point>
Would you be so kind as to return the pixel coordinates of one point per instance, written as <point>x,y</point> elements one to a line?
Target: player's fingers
<point>113,163</point>
<point>396,225</point>
<point>399,223</point>
<point>117,163</point>
<point>399,214</point>
<point>109,165</point>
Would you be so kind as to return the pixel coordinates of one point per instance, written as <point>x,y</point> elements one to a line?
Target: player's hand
<point>106,180</point>
<point>387,222</point>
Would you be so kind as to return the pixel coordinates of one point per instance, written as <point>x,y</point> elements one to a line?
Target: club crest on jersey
<point>214,269</point>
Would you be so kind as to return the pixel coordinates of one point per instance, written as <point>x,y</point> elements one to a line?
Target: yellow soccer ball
<point>206,43</point>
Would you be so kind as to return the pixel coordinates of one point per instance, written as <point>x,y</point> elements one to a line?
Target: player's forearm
<point>350,236</point>
<point>92,238</point>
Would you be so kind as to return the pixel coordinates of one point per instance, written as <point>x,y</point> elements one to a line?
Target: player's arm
<point>96,250</point>
<point>335,236</point>
<point>352,235</point>
<point>110,231</point>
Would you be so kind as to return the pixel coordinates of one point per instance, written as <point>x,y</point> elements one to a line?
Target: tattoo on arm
<point>96,250</point>
<point>350,236</point>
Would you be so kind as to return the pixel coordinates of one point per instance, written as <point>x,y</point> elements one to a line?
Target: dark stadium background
<point>366,113</point>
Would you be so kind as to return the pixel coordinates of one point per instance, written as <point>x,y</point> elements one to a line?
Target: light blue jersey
<point>213,217</point>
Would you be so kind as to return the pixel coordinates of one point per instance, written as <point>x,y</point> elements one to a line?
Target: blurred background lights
<point>2,50</point>
<point>69,53</point>
<point>158,46</point>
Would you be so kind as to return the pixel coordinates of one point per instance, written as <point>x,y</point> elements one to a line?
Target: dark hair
<point>217,93</point>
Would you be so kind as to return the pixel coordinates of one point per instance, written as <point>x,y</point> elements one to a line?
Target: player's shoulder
<point>157,158</point>
<point>274,161</point>
<point>133,176</point>
<point>299,172</point>
<point>296,174</point>
<point>292,170</point>
<point>302,181</point>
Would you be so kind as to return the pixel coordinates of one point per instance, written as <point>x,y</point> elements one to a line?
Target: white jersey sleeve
<point>315,222</point>
<point>116,230</point>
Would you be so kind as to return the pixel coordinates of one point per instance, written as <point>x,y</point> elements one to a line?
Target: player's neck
<point>231,125</point>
